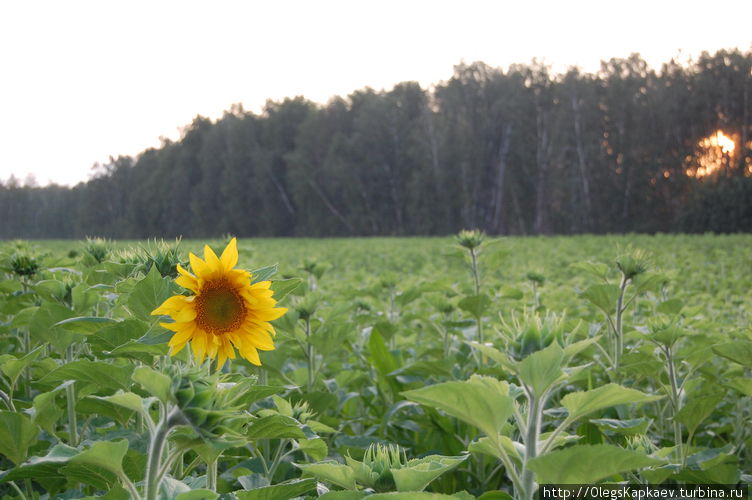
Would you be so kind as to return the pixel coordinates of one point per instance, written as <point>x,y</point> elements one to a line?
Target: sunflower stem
<point>619,328</point>
<point>476,283</point>
<point>531,444</point>
<point>211,475</point>
<point>70,394</point>
<point>310,355</point>
<point>154,472</point>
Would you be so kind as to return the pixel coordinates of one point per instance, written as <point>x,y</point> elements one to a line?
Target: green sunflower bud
<point>471,239</point>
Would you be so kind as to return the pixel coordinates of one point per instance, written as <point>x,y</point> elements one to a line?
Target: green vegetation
<point>466,367</point>
<point>516,151</point>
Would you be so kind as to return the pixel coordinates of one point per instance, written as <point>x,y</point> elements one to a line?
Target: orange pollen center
<point>219,308</point>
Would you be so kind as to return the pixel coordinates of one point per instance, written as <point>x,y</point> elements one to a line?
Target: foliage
<point>396,373</point>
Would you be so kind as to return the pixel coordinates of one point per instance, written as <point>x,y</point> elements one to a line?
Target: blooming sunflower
<point>225,313</point>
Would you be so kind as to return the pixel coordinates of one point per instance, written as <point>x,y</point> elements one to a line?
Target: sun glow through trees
<point>713,153</point>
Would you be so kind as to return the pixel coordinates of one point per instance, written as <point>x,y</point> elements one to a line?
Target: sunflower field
<point>388,368</point>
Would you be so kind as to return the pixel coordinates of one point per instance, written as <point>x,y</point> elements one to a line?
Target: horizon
<point>86,90</point>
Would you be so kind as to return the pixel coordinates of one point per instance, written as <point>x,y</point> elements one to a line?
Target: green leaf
<point>44,470</point>
<point>104,375</point>
<point>579,404</point>
<point>741,384</point>
<point>85,325</point>
<point>542,369</point>
<point>587,464</point>
<point>41,326</point>
<point>671,306</point>
<point>487,447</point>
<point>332,472</point>
<point>597,269</point>
<point>603,297</point>
<point>14,367</point>
<point>46,412</point>
<point>342,495</point>
<point>738,351</point>
<point>263,274</point>
<point>495,495</point>
<point>476,305</point>
<point>54,290</point>
<point>277,426</point>
<point>415,495</point>
<point>315,448</point>
<point>149,293</point>
<point>157,384</point>
<point>91,405</point>
<point>282,288</point>
<point>140,351</point>
<point>199,494</point>
<point>98,477</point>
<point>416,474</point>
<point>483,402</point>
<point>508,292</point>
<point>116,492</point>
<point>698,408</point>
<point>650,282</point>
<point>18,434</point>
<point>115,335</point>
<point>505,361</point>
<point>84,297</point>
<point>281,491</point>
<point>253,393</point>
<point>383,361</point>
<point>106,454</point>
<point>629,427</point>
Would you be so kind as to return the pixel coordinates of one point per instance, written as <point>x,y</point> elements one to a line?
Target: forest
<point>517,151</point>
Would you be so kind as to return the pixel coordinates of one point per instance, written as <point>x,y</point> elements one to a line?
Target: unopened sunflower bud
<point>470,239</point>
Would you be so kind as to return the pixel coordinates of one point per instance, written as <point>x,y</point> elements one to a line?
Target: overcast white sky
<point>83,80</point>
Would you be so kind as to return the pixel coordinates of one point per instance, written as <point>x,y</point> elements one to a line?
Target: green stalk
<point>619,333</point>
<point>531,444</point>
<point>675,402</point>
<point>476,282</point>
<point>154,470</point>
<point>310,355</point>
<point>70,394</point>
<point>211,475</point>
<point>27,370</point>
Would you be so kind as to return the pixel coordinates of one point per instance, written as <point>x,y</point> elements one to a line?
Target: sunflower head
<point>225,311</point>
<point>470,238</point>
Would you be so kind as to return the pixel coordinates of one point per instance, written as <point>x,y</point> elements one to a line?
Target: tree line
<point>517,151</point>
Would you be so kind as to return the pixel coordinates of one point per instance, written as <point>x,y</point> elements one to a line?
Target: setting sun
<point>713,153</point>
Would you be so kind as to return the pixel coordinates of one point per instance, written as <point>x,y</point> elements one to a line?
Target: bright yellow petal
<point>173,304</point>
<point>198,345</point>
<point>187,280</point>
<point>212,261</point>
<point>230,255</point>
<point>251,354</point>
<point>179,340</point>
<point>199,266</point>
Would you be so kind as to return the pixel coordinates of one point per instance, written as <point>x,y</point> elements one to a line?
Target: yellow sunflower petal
<point>261,340</point>
<point>187,280</point>
<point>198,345</point>
<point>212,261</point>
<point>199,266</point>
<point>172,304</point>
<point>251,354</point>
<point>179,340</point>
<point>229,257</point>
<point>187,313</point>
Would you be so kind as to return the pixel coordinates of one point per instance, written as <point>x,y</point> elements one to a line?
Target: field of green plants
<point>405,368</point>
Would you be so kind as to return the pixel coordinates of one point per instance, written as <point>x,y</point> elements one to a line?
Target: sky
<point>81,81</point>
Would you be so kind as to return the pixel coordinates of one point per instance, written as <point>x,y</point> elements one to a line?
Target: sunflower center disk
<point>219,308</point>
